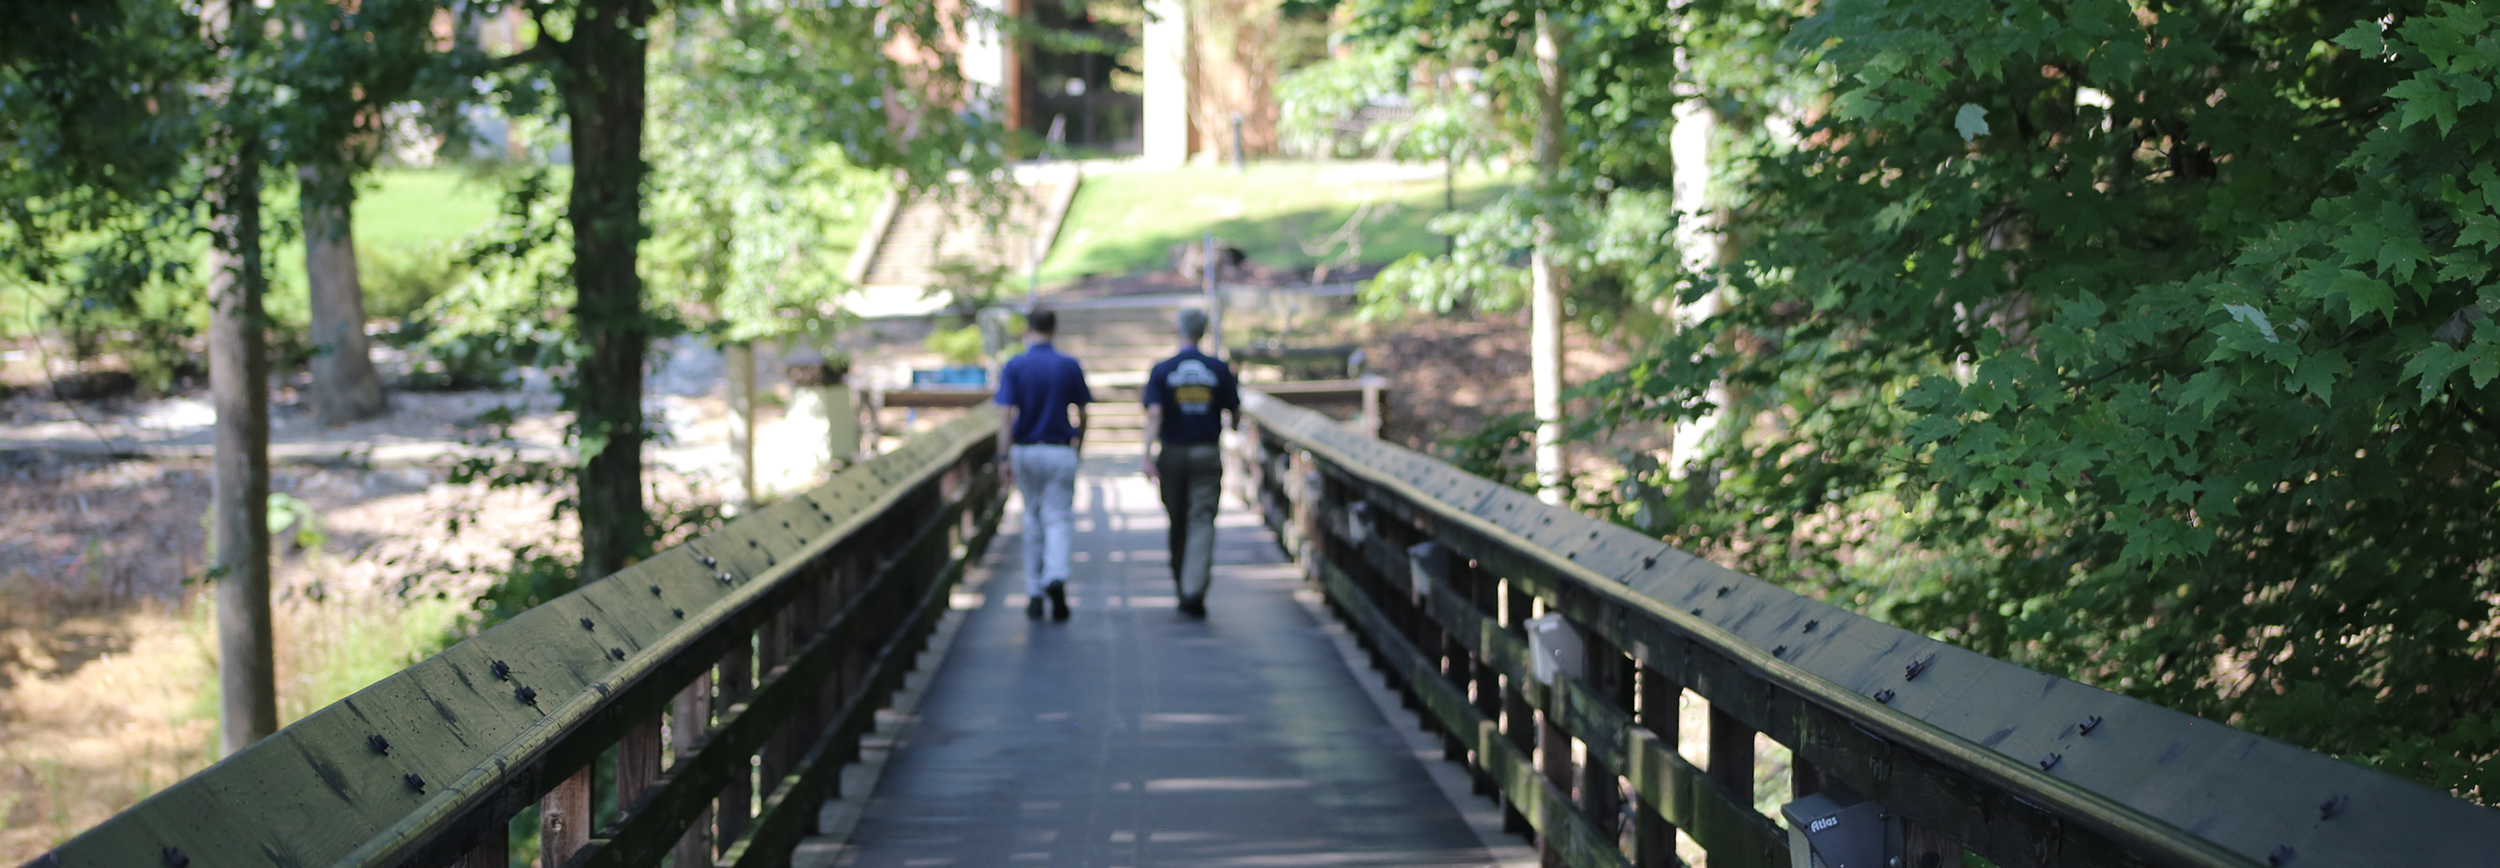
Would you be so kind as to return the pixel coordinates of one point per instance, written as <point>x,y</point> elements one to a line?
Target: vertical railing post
<point>833,592</point>
<point>493,848</point>
<point>1731,755</point>
<point>1554,759</point>
<point>1486,593</point>
<point>737,678</point>
<point>1923,847</point>
<point>772,646</point>
<point>858,569</point>
<point>806,719</point>
<point>690,719</point>
<point>564,818</point>
<point>1804,779</point>
<point>1429,563</point>
<point>1653,838</point>
<point>1518,718</point>
<point>1306,512</point>
<point>637,761</point>
<point>1601,791</point>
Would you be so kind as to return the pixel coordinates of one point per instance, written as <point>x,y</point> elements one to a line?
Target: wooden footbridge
<point>699,708</point>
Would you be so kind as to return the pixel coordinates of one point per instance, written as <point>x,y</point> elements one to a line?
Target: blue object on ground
<point>968,375</point>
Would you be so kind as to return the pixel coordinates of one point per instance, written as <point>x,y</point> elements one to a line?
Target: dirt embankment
<point>1450,375</point>
<point>107,637</point>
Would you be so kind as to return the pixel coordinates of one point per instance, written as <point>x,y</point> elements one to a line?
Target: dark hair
<point>1190,323</point>
<point>1042,322</point>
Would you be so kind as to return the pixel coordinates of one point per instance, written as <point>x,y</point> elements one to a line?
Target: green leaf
<point>2317,375</point>
<point>2418,98</point>
<point>1856,105</point>
<point>2433,365</point>
<point>2204,391</point>
<point>2365,295</point>
<point>2363,37</point>
<point>1971,121</point>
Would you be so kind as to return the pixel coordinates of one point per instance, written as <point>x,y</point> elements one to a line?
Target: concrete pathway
<point>1131,736</point>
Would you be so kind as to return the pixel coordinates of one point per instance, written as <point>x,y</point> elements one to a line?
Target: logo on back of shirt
<point>1192,386</point>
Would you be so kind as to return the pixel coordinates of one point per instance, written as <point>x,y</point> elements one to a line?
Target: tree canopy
<point>2147,343</point>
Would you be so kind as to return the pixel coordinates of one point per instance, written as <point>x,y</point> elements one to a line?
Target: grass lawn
<point>1280,213</point>
<point>399,214</point>
<point>410,208</point>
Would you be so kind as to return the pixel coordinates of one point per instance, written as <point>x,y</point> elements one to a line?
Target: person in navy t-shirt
<point>1187,397</point>
<point>1038,388</point>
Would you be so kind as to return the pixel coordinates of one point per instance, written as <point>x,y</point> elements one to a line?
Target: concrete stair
<point>1118,343</point>
<point>917,237</point>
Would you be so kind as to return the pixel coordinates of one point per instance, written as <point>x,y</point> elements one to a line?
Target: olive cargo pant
<point>1193,480</point>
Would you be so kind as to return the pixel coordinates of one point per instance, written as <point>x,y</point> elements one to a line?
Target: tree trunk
<point>602,79</point>
<point>345,387</point>
<point>1703,243</point>
<point>1545,346</point>
<point>238,383</point>
<point>740,359</point>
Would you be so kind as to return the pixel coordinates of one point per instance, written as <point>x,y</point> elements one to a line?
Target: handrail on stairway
<point>762,649</point>
<point>1439,572</point>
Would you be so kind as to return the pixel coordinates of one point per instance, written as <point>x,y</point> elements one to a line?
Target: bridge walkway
<point>1132,736</point>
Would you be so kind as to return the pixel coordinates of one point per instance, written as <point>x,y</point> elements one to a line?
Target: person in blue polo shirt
<point>1038,388</point>
<point>1187,396</point>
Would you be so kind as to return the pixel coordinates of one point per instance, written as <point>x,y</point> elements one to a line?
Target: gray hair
<point>1191,323</point>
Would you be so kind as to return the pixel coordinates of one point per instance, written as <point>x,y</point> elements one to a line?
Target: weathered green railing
<point>757,654</point>
<point>1439,571</point>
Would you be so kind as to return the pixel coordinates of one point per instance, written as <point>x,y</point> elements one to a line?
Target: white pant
<point>1046,475</point>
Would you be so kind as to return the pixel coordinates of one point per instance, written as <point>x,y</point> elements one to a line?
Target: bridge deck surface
<point>1131,736</point>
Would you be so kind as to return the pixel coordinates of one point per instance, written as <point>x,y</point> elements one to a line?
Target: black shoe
<point>1195,607</point>
<point>1033,608</point>
<point>1058,601</point>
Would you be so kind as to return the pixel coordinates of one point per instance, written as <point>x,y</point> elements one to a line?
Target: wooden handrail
<point>802,618</point>
<point>1438,570</point>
